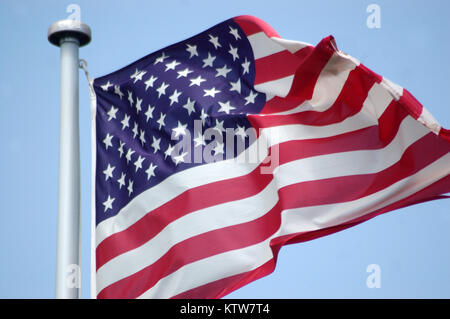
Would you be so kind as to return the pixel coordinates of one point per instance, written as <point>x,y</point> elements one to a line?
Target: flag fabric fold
<point>211,154</point>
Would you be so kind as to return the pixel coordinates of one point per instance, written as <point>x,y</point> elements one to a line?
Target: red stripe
<point>321,192</point>
<point>445,134</point>
<point>348,103</point>
<point>378,77</point>
<point>224,286</point>
<point>415,109</point>
<point>313,60</point>
<point>243,186</point>
<point>278,104</point>
<point>251,25</point>
<point>306,75</point>
<point>279,65</point>
<point>411,105</point>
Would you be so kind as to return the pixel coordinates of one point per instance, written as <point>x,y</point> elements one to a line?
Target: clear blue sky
<point>411,48</point>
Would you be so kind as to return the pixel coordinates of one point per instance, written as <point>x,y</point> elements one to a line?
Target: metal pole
<point>69,35</point>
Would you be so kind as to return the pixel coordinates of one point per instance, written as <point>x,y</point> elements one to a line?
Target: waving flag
<point>213,153</point>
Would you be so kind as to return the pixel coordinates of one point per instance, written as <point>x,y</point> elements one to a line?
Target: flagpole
<point>69,35</point>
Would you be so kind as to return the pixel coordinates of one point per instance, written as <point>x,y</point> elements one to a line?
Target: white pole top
<point>69,28</point>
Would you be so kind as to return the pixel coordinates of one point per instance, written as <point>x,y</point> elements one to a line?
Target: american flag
<point>179,213</point>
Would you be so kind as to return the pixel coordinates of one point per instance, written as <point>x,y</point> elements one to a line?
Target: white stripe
<point>290,45</point>
<point>377,100</point>
<point>278,87</point>
<point>263,46</point>
<point>331,81</point>
<point>241,211</point>
<point>246,259</point>
<point>429,121</point>
<point>210,173</point>
<point>395,89</point>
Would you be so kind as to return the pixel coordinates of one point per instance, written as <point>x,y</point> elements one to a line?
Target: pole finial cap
<point>69,28</point>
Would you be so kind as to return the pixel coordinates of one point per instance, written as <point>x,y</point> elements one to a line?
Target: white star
<point>120,149</point>
<point>179,158</point>
<point>117,91</point>
<point>128,155</point>
<point>130,98</point>
<point>135,130</point>
<point>169,151</point>
<point>142,137</point>
<point>208,61</point>
<point>174,97</point>
<point>138,163</point>
<point>161,120</point>
<point>226,107</point>
<point>106,86</point>
<point>138,104</point>
<point>108,203</point>
<point>108,171</point>
<point>192,49</point>
<point>171,66</point>
<point>112,113</point>
<point>155,144</point>
<point>235,33</point>
<point>107,140</point>
<point>162,89</point>
<point>150,171</point>
<point>197,81</point>
<point>150,81</point>
<point>149,113</point>
<point>219,126</point>
<point>138,76</point>
<point>134,74</point>
<point>203,116</point>
<point>125,122</point>
<point>180,129</point>
<point>223,71</point>
<point>189,106</point>
<point>233,52</point>
<point>236,86</point>
<point>214,41</point>
<point>211,92</point>
<point>161,59</point>
<point>251,98</point>
<point>218,149</point>
<point>246,66</point>
<point>183,73</point>
<point>121,180</point>
<point>199,140</point>
<point>130,187</point>
<point>240,131</point>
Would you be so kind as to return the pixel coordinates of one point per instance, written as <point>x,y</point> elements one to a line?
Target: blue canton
<point>145,109</point>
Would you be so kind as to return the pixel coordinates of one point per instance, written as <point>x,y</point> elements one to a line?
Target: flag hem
<point>93,102</point>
